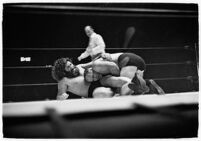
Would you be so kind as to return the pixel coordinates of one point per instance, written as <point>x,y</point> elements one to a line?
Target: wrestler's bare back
<point>75,85</point>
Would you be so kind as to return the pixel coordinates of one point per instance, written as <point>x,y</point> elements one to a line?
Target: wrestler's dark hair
<point>58,70</point>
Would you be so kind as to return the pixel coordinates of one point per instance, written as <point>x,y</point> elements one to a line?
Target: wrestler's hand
<point>64,96</point>
<point>106,56</point>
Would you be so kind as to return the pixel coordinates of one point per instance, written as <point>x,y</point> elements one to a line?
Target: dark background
<point>60,28</point>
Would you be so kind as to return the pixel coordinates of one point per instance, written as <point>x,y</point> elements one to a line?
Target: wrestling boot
<point>154,88</point>
<point>138,85</point>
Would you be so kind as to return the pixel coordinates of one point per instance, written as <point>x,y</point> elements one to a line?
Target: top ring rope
<point>142,48</point>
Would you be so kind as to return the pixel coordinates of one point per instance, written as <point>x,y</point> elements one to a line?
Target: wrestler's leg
<point>138,84</point>
<point>102,92</point>
<point>128,72</point>
<point>114,81</point>
<point>131,71</point>
<point>118,82</point>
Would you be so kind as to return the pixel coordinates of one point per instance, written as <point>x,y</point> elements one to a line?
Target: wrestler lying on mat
<point>70,78</point>
<point>131,66</point>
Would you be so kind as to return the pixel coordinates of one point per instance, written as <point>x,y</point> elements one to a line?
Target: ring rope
<point>138,48</point>
<point>50,66</point>
<point>22,85</point>
<point>103,8</point>
<point>114,14</point>
<point>29,67</point>
<point>52,84</point>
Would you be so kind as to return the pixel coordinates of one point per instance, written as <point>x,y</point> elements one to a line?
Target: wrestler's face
<point>71,70</point>
<point>92,75</point>
<point>69,66</point>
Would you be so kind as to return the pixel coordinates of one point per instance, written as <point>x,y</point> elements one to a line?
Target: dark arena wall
<point>165,35</point>
<point>61,26</point>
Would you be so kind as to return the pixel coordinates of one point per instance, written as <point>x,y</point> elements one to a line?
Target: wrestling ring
<point>117,117</point>
<point>29,92</point>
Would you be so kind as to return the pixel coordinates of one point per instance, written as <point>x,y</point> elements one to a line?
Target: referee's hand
<point>79,58</point>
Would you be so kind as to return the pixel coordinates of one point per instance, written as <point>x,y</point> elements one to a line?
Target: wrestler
<point>133,66</point>
<point>71,79</point>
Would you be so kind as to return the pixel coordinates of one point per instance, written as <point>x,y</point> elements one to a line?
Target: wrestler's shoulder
<point>63,81</point>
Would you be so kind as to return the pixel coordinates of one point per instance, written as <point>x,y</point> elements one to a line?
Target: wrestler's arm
<point>106,67</point>
<point>103,67</point>
<point>90,64</point>
<point>86,65</point>
<point>62,89</point>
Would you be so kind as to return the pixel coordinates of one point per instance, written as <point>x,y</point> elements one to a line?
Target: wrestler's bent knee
<point>128,71</point>
<point>102,92</point>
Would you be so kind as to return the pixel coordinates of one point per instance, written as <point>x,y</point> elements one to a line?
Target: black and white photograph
<point>100,70</point>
